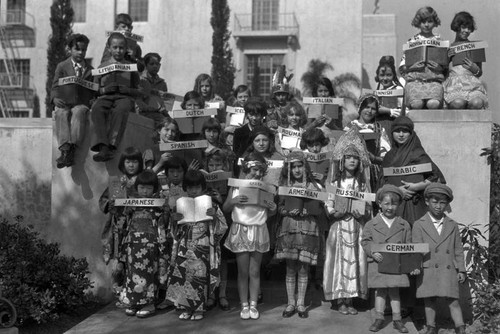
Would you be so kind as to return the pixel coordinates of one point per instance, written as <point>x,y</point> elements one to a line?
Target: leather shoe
<point>377,325</point>
<point>430,330</point>
<point>398,325</point>
<point>343,309</point>
<point>289,311</point>
<point>351,310</point>
<point>67,156</point>
<point>460,329</point>
<point>302,312</point>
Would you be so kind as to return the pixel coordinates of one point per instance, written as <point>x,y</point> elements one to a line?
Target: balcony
<point>19,27</point>
<point>253,25</point>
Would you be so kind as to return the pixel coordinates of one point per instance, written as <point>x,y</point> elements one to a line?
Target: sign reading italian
<point>304,193</point>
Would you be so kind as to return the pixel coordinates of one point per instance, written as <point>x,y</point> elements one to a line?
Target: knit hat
<point>389,188</point>
<point>281,81</point>
<point>438,188</point>
<point>402,123</point>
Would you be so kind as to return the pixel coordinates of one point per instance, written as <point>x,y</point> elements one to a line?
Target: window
<point>16,11</point>
<point>22,68</point>
<point>260,71</point>
<point>138,10</point>
<point>80,9</point>
<point>265,14</point>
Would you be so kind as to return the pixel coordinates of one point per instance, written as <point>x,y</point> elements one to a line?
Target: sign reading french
<point>78,81</point>
<point>148,202</point>
<point>115,68</point>
<point>183,145</point>
<point>408,170</point>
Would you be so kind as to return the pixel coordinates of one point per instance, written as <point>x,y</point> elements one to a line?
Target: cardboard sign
<point>127,34</point>
<point>289,138</point>
<point>319,163</point>
<point>400,258</point>
<point>213,105</point>
<point>349,193</point>
<point>304,193</point>
<point>323,100</point>
<point>191,121</point>
<point>400,248</point>
<point>300,198</point>
<point>426,50</point>
<point>236,115</point>
<point>218,181</point>
<point>270,163</point>
<point>183,145</point>
<point>245,183</point>
<point>475,51</point>
<point>187,113</point>
<point>148,202</point>
<point>407,170</point>
<point>78,81</point>
<point>235,110</point>
<point>115,68</point>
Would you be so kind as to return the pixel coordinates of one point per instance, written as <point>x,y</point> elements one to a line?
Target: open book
<point>426,50</point>
<point>194,209</point>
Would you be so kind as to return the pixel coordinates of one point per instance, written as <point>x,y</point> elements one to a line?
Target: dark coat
<point>72,94</point>
<point>444,261</point>
<point>376,231</point>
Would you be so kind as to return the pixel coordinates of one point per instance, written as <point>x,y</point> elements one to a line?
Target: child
<point>324,88</point>
<point>117,90</point>
<point>211,130</point>
<point>167,131</point>
<point>298,237</point>
<point>444,265</point>
<point>240,96</point>
<point>248,236</point>
<point>344,275</point>
<point>194,272</point>
<point>424,89</point>
<point>192,100</point>
<point>462,88</point>
<point>280,96</point>
<point>175,169</point>
<point>155,88</point>
<point>204,85</point>
<point>72,102</point>
<point>408,151</point>
<point>123,24</point>
<point>295,119</point>
<point>143,245</point>
<point>386,227</point>
<point>314,141</point>
<point>255,111</point>
<point>387,79</point>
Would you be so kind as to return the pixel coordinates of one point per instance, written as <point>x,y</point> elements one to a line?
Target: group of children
<point>162,256</point>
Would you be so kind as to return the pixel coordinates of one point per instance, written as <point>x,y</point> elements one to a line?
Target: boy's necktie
<point>78,70</point>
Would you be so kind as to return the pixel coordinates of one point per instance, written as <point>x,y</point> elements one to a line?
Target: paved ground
<point>321,319</point>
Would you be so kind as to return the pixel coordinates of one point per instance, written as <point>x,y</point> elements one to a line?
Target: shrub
<point>35,277</point>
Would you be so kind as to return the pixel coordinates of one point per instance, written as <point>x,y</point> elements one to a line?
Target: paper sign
<point>183,145</point>
<point>114,68</point>
<point>400,248</point>
<point>317,157</point>
<point>475,51</point>
<point>304,193</point>
<point>334,191</point>
<point>469,46</point>
<point>408,170</point>
<point>384,92</point>
<point>235,110</point>
<point>425,42</point>
<point>79,81</point>
<point>213,105</point>
<point>217,176</point>
<point>236,119</point>
<point>323,100</point>
<point>129,35</point>
<point>149,202</point>
<point>187,113</point>
<point>290,132</point>
<point>246,183</point>
<point>270,163</point>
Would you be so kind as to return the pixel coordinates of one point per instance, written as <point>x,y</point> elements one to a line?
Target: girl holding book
<point>344,275</point>
<point>424,89</point>
<point>462,88</point>
<point>324,88</point>
<point>249,237</point>
<point>295,119</point>
<point>204,85</point>
<point>298,232</point>
<point>194,269</point>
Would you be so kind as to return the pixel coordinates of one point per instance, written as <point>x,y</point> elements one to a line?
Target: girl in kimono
<point>142,249</point>
<point>344,275</point>
<point>194,267</point>
<point>298,237</point>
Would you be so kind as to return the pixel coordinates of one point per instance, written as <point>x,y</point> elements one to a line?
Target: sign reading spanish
<point>183,145</point>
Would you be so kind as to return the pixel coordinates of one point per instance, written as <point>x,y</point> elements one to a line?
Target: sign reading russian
<point>335,191</point>
<point>408,170</point>
<point>78,81</point>
<point>149,202</point>
<point>183,145</point>
<point>187,113</point>
<point>114,68</point>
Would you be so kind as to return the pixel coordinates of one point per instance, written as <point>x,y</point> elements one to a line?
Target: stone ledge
<point>449,115</point>
<point>25,123</point>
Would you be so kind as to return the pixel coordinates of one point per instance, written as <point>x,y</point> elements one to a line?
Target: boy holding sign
<point>444,266</point>
<point>118,86</point>
<point>71,93</point>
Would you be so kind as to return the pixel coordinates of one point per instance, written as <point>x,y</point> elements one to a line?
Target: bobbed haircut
<point>115,35</point>
<point>241,89</point>
<point>130,153</point>
<point>463,19</point>
<point>123,18</point>
<point>211,124</point>
<point>323,81</point>
<point>312,136</point>
<point>194,178</point>
<point>151,55</point>
<point>176,163</point>
<point>192,95</point>
<point>424,14</point>
<point>165,122</point>
<point>148,178</point>
<point>255,106</point>
<point>293,106</point>
<point>77,38</point>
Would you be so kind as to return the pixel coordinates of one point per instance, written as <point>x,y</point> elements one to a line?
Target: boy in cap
<point>443,266</point>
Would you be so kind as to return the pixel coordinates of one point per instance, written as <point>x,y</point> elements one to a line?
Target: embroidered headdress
<point>281,81</point>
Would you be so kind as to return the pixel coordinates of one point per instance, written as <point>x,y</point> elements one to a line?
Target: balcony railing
<point>17,80</point>
<point>259,24</point>
<point>16,16</point>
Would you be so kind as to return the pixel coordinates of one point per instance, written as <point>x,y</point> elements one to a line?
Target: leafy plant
<point>35,277</point>
<point>315,71</point>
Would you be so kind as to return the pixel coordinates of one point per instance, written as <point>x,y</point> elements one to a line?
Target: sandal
<point>211,303</point>
<point>197,316</point>
<point>254,313</point>
<point>130,311</point>
<point>185,316</point>
<point>224,304</point>
<point>165,305</point>
<point>146,311</point>
<point>245,311</point>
